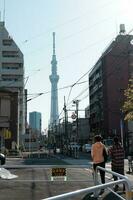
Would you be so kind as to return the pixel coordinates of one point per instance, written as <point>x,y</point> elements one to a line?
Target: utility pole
<point>76,102</point>
<point>29,142</point>
<point>65,113</point>
<point>60,146</point>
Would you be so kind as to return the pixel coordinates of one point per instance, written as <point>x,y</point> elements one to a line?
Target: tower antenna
<point>4,11</point>
<point>54,78</point>
<point>53,43</point>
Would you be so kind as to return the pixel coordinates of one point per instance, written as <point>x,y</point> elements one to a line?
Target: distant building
<point>107,82</point>
<point>83,130</point>
<point>12,93</point>
<point>30,140</point>
<point>35,121</point>
<point>87,112</point>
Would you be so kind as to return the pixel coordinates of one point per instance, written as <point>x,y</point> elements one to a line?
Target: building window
<point>7,42</point>
<point>12,65</point>
<point>11,78</point>
<point>5,106</point>
<point>10,54</point>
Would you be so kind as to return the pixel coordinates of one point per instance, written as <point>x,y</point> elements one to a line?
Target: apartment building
<point>107,82</point>
<point>12,97</point>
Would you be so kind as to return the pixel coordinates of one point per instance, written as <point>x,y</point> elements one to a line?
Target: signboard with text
<point>58,172</point>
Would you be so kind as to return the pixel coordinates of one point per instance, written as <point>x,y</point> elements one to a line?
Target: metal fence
<point>122,180</point>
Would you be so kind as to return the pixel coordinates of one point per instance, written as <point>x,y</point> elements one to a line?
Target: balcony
<point>12,83</point>
<point>4,121</point>
<point>19,71</point>
<point>12,59</point>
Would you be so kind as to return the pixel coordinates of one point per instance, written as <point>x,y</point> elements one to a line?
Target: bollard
<point>2,159</point>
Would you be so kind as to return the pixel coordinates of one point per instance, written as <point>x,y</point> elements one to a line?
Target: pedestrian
<point>116,153</point>
<point>97,156</point>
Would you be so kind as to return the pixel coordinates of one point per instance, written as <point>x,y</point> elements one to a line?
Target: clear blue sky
<point>83,29</point>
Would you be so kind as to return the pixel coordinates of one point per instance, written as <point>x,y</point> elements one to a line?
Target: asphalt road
<point>36,184</point>
<point>34,178</point>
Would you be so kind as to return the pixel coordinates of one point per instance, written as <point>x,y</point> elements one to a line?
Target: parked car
<point>86,148</point>
<point>108,143</point>
<point>74,145</point>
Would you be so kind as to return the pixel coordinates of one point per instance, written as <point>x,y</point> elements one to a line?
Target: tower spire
<point>53,43</point>
<point>54,78</point>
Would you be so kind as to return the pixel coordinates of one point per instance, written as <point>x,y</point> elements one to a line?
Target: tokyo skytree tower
<point>54,78</point>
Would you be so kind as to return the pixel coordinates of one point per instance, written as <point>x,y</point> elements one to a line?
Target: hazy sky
<point>83,29</point>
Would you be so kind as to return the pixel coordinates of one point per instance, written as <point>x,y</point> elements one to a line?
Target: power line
<point>116,63</point>
<point>62,88</point>
<point>67,22</point>
<point>84,97</point>
<point>77,97</point>
<point>93,67</point>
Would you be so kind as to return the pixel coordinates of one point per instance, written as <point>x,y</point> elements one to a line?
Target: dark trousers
<point>102,173</point>
<point>119,171</point>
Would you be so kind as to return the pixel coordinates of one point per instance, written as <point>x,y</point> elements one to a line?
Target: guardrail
<point>128,185</point>
<point>123,180</point>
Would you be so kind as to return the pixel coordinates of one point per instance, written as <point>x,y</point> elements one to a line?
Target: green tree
<point>128,104</point>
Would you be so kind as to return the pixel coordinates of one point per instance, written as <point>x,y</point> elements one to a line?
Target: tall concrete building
<point>54,116</point>
<point>12,104</point>
<point>107,82</point>
<point>35,121</point>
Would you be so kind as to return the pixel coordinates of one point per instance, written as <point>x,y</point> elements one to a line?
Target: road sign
<point>58,172</point>
<point>73,116</point>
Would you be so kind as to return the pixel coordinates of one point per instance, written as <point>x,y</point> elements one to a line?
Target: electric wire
<point>116,63</point>
<point>81,93</point>
<point>108,74</point>
<point>84,97</point>
<point>49,91</point>
<point>69,95</point>
<point>81,76</point>
<point>67,22</point>
<point>62,88</point>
